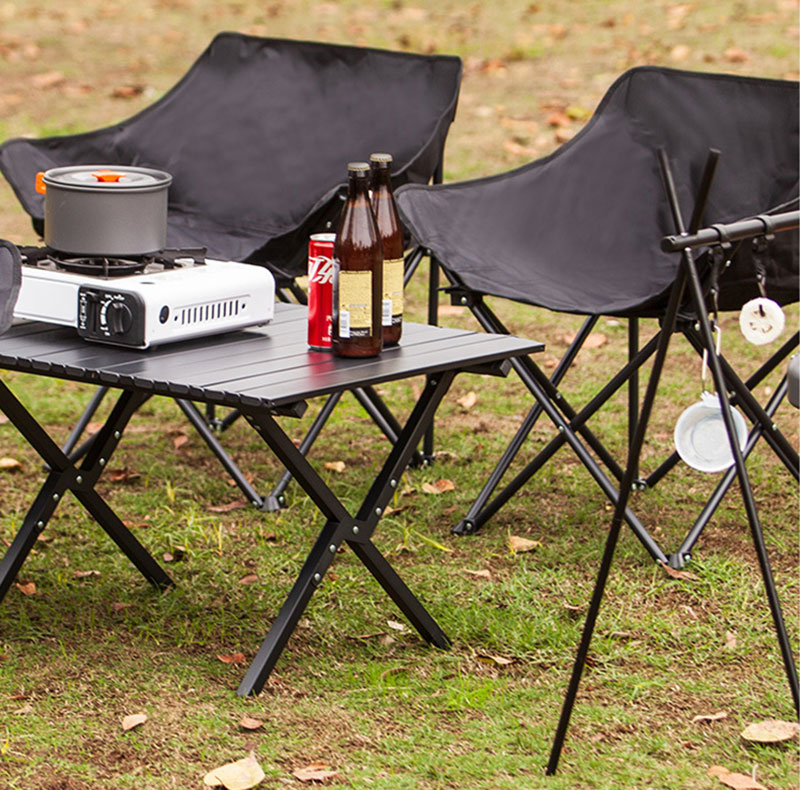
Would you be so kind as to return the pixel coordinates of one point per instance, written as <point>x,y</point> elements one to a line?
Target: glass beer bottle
<point>357,273</point>
<point>391,233</point>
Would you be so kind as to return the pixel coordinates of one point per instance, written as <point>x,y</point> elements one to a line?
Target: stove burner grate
<point>110,266</point>
<point>102,267</point>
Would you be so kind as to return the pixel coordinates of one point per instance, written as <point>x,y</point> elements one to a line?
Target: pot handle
<point>41,187</point>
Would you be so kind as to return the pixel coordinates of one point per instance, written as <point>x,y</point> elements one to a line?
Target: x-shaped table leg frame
<point>64,476</point>
<point>341,526</point>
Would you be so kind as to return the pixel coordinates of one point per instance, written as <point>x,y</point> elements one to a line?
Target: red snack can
<point>320,290</point>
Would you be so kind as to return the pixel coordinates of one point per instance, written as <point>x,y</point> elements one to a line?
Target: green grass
<point>376,703</point>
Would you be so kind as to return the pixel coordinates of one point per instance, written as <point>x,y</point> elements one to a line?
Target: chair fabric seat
<point>579,231</point>
<point>257,136</point>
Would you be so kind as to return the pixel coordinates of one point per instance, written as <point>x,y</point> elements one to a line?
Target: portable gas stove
<point>143,301</point>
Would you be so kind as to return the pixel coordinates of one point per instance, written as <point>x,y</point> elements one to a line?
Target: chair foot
<point>271,504</point>
<point>465,527</point>
<point>678,561</point>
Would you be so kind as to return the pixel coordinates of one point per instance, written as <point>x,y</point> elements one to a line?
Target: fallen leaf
<point>710,717</point>
<point>594,339</point>
<point>676,574</point>
<point>84,574</point>
<point>736,55</point>
<point>48,79</point>
<point>122,475</point>
<point>233,658</point>
<point>237,505</point>
<point>179,440</point>
<point>730,640</point>
<point>249,723</point>
<point>558,118</point>
<point>522,545</point>
<point>3,419</point>
<point>734,780</point>
<point>136,524</point>
<point>315,772</point>
<point>680,52</point>
<point>771,731</point>
<point>134,720</point>
<point>336,466</point>
<point>249,578</point>
<point>23,711</point>
<point>94,427</point>
<point>482,574</point>
<point>10,464</point>
<point>439,487</point>
<point>395,626</point>
<point>497,660</point>
<point>27,588</point>
<point>127,91</point>
<point>468,401</point>
<point>119,607</point>
<point>451,309</point>
<point>241,775</point>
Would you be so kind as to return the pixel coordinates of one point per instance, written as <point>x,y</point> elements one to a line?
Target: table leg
<point>340,526</point>
<point>81,481</point>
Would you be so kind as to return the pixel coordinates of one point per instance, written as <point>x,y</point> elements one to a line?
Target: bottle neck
<point>381,177</point>
<point>357,186</point>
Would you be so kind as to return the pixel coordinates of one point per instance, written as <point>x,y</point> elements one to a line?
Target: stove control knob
<point>119,318</point>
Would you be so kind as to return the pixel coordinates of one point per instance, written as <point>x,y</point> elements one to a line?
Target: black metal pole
<point>668,326</point>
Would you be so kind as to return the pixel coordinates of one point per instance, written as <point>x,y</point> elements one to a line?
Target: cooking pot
<point>104,210</point>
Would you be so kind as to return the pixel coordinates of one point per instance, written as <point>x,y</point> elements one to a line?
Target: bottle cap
<point>381,159</point>
<point>360,168</point>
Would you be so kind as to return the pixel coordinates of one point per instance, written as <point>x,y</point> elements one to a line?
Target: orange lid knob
<point>108,176</point>
<point>41,187</point>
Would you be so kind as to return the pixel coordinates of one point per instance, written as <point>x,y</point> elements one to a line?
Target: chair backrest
<point>10,279</point>
<point>579,230</point>
<point>257,136</point>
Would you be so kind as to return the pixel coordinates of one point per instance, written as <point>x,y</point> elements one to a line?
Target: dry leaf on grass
<point>771,731</point>
<point>134,720</point>
<point>496,660</point>
<point>179,440</point>
<point>84,574</point>
<point>439,487</point>
<point>10,465</point>
<point>3,419</point>
<point>315,772</point>
<point>249,723</point>
<point>249,578</point>
<point>395,626</point>
<point>237,505</point>
<point>734,780</point>
<point>127,91</point>
<point>468,401</point>
<point>93,427</point>
<point>710,716</point>
<point>122,475</point>
<point>23,711</point>
<point>27,588</point>
<point>730,640</point>
<point>241,775</point>
<point>522,545</point>
<point>233,658</point>
<point>336,466</point>
<point>594,340</point>
<point>676,574</point>
<point>482,574</point>
<point>118,607</point>
<point>48,79</point>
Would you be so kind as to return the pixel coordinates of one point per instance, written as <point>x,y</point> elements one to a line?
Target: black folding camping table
<point>264,372</point>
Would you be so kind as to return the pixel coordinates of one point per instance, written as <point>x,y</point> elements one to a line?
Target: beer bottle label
<point>392,313</point>
<point>355,304</point>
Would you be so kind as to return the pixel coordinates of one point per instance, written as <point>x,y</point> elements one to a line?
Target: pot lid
<point>104,177</point>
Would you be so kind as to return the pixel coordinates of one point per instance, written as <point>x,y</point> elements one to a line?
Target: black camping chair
<point>257,135</point>
<point>10,279</point>
<point>579,232</point>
